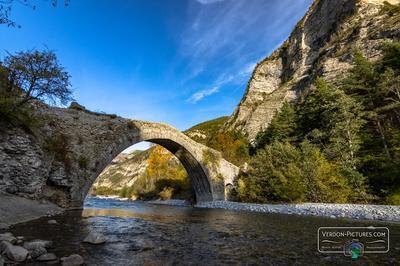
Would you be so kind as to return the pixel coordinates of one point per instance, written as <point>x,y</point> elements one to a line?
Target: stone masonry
<point>60,160</point>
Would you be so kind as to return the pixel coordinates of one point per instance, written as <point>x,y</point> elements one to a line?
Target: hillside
<point>204,131</point>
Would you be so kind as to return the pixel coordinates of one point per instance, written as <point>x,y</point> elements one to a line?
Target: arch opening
<point>195,172</point>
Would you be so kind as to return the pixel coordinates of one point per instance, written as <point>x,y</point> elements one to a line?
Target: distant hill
<point>204,131</point>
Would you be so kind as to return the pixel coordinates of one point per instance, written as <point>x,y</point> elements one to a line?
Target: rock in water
<point>47,257</point>
<point>35,244</point>
<point>38,252</point>
<point>8,237</point>
<point>16,253</point>
<point>73,260</point>
<point>95,238</point>
<point>4,226</point>
<point>4,246</point>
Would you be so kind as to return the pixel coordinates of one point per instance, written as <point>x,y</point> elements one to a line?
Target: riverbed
<point>141,233</point>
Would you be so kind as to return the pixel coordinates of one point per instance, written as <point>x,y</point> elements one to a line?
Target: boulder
<point>47,257</point>
<point>8,237</point>
<point>35,244</point>
<point>1,261</point>
<point>4,246</point>
<point>73,260</point>
<point>38,252</point>
<point>4,226</point>
<point>52,222</point>
<point>95,238</point>
<point>77,106</point>
<point>16,253</point>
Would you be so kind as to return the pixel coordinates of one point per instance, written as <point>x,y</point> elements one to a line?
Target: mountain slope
<point>319,45</point>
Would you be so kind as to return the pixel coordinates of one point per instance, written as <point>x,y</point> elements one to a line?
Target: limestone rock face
<point>319,45</point>
<point>128,167</point>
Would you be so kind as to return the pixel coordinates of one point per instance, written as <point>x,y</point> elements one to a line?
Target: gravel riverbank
<point>353,211</point>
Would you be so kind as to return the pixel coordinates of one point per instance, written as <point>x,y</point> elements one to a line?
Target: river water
<point>141,233</point>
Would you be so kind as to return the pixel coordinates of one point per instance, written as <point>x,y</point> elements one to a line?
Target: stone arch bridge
<point>61,162</point>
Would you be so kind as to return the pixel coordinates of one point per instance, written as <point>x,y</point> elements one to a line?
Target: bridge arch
<point>208,171</point>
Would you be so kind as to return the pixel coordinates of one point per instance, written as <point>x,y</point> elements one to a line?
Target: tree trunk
<point>383,138</point>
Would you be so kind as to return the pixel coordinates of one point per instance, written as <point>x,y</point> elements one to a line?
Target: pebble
<point>47,257</point>
<point>73,260</point>
<point>332,210</point>
<point>4,226</point>
<point>4,245</point>
<point>8,237</point>
<point>16,253</point>
<point>35,244</point>
<point>38,252</point>
<point>95,238</point>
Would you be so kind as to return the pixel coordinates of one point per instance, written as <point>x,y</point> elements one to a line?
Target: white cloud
<point>203,93</point>
<point>206,2</point>
<point>248,68</point>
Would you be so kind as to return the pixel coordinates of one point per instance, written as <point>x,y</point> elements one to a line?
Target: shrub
<point>83,162</point>
<point>282,172</point>
<point>393,198</point>
<point>58,144</point>
<point>390,9</point>
<point>166,193</point>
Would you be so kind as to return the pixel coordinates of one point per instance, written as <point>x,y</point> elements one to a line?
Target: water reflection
<point>140,233</point>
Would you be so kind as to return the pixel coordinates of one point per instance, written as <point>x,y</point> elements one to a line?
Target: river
<point>141,233</point>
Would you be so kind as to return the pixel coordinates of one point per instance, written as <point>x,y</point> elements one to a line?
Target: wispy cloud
<point>201,94</point>
<point>206,2</point>
<point>219,34</point>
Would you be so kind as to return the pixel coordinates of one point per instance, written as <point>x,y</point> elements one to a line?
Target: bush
<point>83,162</point>
<point>58,144</point>
<point>282,172</point>
<point>390,9</point>
<point>166,193</point>
<point>232,145</point>
<point>393,198</point>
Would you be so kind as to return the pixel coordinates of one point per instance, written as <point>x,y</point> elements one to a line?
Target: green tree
<point>28,76</point>
<point>282,172</point>
<point>282,128</point>
<point>233,146</point>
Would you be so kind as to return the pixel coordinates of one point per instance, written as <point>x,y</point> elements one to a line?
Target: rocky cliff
<point>319,46</point>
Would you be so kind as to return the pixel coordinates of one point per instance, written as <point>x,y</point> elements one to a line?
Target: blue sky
<point>175,61</point>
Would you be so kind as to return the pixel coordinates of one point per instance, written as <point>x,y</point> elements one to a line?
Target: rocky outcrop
<point>60,158</point>
<point>319,45</point>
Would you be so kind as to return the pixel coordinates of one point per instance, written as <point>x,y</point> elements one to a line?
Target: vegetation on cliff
<point>27,76</point>
<point>341,144</point>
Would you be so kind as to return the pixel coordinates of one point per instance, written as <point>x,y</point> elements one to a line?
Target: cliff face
<point>123,171</point>
<point>319,46</point>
